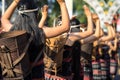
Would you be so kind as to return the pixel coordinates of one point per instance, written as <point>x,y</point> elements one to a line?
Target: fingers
<point>107,24</point>
<point>86,10</point>
<point>94,16</point>
<point>84,6</point>
<point>44,8</point>
<point>60,1</point>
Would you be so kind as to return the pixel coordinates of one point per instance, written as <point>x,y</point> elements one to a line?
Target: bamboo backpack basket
<point>13,58</point>
<point>54,54</point>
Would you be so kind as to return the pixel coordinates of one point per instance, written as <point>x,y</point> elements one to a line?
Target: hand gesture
<point>86,11</point>
<point>107,24</point>
<point>60,1</point>
<point>94,16</point>
<point>44,10</point>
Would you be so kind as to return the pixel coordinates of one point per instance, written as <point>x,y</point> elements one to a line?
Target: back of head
<point>58,21</point>
<point>27,19</point>
<point>27,15</point>
<point>75,25</point>
<point>26,5</point>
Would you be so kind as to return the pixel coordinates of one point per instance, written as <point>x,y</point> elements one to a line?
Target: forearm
<point>109,32</point>
<point>42,22</point>
<point>107,37</point>
<point>65,16</point>
<point>98,28</point>
<point>88,39</point>
<point>113,32</point>
<point>8,13</point>
<point>115,46</point>
<point>90,24</point>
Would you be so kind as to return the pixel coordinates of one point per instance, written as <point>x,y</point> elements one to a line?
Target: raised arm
<point>55,31</point>
<point>80,35</point>
<point>110,33</point>
<point>5,20</point>
<point>89,30</point>
<point>94,36</point>
<point>88,14</point>
<point>114,45</point>
<point>44,12</point>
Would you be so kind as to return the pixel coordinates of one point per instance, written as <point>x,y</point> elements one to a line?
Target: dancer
<point>27,20</point>
<point>51,59</point>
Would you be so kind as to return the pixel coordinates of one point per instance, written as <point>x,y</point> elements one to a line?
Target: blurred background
<point>54,10</point>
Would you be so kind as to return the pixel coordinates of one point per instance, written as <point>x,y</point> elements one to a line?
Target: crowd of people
<point>68,50</point>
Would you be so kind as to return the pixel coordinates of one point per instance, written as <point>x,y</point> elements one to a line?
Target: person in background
<point>74,28</point>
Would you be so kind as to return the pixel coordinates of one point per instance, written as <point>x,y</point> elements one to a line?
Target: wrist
<point>44,17</point>
<point>62,3</point>
<point>89,17</point>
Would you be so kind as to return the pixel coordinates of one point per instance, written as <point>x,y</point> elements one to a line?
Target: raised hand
<point>95,16</point>
<point>44,10</point>
<point>60,1</point>
<point>107,24</point>
<point>87,11</point>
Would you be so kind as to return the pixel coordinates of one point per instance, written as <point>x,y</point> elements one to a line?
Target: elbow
<point>114,35</point>
<point>97,35</point>
<point>3,20</point>
<point>66,27</point>
<point>111,37</point>
<point>90,32</point>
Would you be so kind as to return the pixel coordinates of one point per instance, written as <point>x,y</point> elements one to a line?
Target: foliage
<point>54,9</point>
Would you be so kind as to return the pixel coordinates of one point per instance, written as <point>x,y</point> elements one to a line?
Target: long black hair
<point>27,20</point>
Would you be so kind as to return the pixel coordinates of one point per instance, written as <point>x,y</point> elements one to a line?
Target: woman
<point>66,63</point>
<point>27,20</point>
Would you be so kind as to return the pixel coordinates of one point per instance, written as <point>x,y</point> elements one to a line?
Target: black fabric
<point>117,77</point>
<point>90,38</point>
<point>66,65</point>
<point>86,51</point>
<point>76,60</point>
<point>85,57</point>
<point>74,21</point>
<point>28,22</point>
<point>77,29</point>
<point>37,43</point>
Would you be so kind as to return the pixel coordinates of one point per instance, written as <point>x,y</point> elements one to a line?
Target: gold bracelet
<point>16,1</point>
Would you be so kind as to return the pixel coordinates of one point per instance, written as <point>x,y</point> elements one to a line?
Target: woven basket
<point>14,62</point>
<point>54,54</point>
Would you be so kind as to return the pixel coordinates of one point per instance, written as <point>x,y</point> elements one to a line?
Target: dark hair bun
<point>75,22</point>
<point>26,4</point>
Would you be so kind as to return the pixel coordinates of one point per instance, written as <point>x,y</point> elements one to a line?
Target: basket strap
<point>7,60</point>
<point>24,52</point>
<point>9,69</point>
